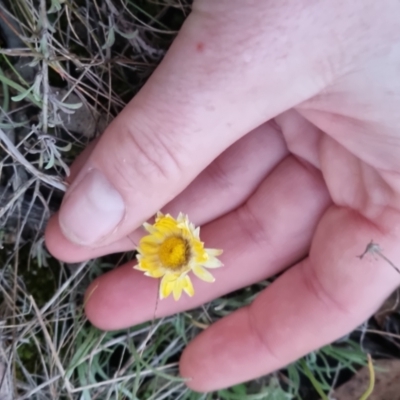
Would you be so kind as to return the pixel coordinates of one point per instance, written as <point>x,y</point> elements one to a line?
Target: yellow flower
<point>173,249</point>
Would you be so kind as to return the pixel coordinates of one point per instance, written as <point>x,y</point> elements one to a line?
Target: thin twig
<point>383,333</point>
<point>21,190</point>
<point>374,248</point>
<point>56,295</point>
<point>371,383</point>
<point>51,346</point>
<point>123,378</point>
<point>45,65</point>
<point>12,150</point>
<point>39,387</point>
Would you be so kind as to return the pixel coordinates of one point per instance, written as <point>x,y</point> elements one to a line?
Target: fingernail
<point>92,209</point>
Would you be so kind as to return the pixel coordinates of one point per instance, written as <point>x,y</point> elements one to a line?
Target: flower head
<point>173,249</point>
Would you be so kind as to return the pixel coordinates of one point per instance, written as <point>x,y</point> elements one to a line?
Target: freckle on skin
<point>200,47</point>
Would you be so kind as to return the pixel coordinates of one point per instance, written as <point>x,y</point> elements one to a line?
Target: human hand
<point>274,125</point>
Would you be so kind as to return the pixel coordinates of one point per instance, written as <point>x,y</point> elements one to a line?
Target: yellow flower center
<point>174,252</point>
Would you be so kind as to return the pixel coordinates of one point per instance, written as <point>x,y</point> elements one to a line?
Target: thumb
<point>217,82</point>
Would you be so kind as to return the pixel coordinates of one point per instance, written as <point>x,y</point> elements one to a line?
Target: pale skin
<point>274,125</point>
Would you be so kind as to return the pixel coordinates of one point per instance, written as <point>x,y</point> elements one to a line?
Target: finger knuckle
<point>147,156</point>
<point>220,175</point>
<point>321,292</point>
<point>252,226</point>
<point>260,334</point>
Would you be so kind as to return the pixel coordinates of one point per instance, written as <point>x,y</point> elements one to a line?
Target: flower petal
<point>155,273</point>
<point>149,228</point>
<point>148,244</point>
<point>203,274</point>
<point>149,264</point>
<point>214,252</point>
<point>138,267</point>
<point>196,232</point>
<point>181,218</point>
<point>187,286</point>
<point>166,223</point>
<point>212,262</point>
<point>159,215</point>
<point>167,285</point>
<point>177,290</point>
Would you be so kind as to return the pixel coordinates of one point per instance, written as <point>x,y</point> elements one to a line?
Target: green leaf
<point>12,125</point>
<point>22,95</point>
<point>20,89</point>
<point>127,35</point>
<point>55,6</point>
<point>36,87</point>
<point>71,106</point>
<point>110,39</point>
<point>65,148</point>
<point>51,161</point>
